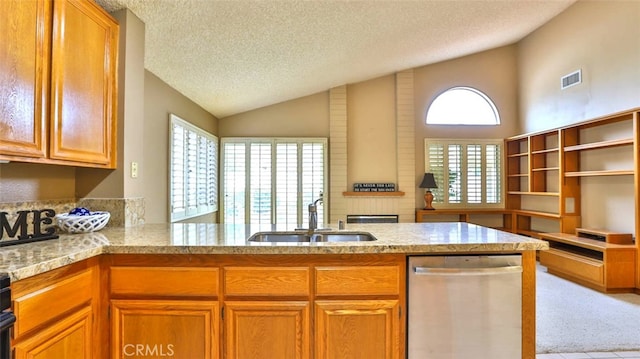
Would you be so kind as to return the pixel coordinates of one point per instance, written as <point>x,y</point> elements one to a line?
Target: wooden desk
<point>462,213</point>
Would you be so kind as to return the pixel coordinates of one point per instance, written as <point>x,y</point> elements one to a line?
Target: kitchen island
<point>120,286</point>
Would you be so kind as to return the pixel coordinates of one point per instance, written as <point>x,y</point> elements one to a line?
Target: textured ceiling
<point>234,56</point>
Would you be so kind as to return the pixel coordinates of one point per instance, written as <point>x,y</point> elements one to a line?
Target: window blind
<point>234,182</point>
<point>260,183</point>
<point>285,176</point>
<point>287,183</point>
<point>454,155</point>
<point>468,172</point>
<point>193,174</point>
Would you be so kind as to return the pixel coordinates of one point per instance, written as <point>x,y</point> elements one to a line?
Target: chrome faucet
<point>313,214</point>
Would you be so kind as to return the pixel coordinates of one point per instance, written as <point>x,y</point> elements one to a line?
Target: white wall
<point>600,37</point>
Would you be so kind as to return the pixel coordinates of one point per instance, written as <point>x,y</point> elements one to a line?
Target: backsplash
<point>125,212</point>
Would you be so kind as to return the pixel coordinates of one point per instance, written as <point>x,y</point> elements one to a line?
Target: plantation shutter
<point>474,173</point>
<point>435,165</point>
<point>285,176</point>
<point>287,183</point>
<point>493,184</point>
<point>313,180</point>
<point>454,175</point>
<point>466,172</point>
<point>193,171</point>
<point>235,179</point>
<point>260,183</point>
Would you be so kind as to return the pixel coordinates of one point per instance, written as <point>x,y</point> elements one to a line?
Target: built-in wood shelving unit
<point>551,164</point>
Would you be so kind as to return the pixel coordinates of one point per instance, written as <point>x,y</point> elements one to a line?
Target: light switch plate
<point>134,169</point>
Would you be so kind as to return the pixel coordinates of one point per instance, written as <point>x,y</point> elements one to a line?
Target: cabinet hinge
<point>222,313</point>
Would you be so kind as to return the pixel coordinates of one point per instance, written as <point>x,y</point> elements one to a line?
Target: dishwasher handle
<point>467,271</point>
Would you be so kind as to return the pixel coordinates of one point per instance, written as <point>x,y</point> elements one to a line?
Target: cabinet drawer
<point>48,303</point>
<point>358,280</point>
<point>164,281</point>
<point>572,264</point>
<point>266,281</point>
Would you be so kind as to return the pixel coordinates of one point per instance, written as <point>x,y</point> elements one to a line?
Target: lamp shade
<point>428,181</point>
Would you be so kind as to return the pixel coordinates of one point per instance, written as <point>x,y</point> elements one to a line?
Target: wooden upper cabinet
<point>58,83</point>
<point>83,84</point>
<point>25,34</point>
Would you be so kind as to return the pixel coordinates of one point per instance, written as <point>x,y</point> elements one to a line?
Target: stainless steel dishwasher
<point>463,307</point>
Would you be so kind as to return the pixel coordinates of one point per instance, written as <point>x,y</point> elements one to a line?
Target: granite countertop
<point>25,260</point>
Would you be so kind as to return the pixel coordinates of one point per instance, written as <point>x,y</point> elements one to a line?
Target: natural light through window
<point>462,106</point>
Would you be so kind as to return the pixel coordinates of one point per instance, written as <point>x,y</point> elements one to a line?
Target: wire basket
<point>82,224</point>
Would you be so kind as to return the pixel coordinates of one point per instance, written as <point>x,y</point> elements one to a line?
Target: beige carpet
<point>573,318</point>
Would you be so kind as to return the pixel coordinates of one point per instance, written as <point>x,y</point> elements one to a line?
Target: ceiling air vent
<point>571,79</point>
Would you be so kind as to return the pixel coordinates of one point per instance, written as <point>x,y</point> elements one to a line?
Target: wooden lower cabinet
<point>69,338</point>
<point>164,328</point>
<point>57,313</point>
<point>257,307</point>
<point>267,329</point>
<point>367,329</point>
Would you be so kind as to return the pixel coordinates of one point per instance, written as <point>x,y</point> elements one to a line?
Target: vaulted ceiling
<point>234,56</point>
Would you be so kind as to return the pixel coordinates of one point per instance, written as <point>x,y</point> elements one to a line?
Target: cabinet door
<point>25,31</point>
<point>366,329</point>
<point>164,328</point>
<point>68,338</point>
<point>270,329</point>
<point>83,84</point>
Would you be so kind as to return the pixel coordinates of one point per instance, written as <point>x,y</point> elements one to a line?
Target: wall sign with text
<point>374,187</point>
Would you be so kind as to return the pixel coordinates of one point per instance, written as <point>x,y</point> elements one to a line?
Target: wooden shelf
<point>546,169</point>
<point>519,175</point>
<point>463,211</point>
<point>533,234</point>
<point>539,214</point>
<point>518,154</point>
<point>599,173</point>
<point>602,144</point>
<point>550,150</point>
<point>588,243</point>
<point>526,193</point>
<point>373,194</point>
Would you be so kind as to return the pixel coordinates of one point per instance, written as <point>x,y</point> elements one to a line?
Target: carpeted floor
<point>573,318</point>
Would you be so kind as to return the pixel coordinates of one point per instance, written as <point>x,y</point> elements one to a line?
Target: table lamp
<point>428,181</point>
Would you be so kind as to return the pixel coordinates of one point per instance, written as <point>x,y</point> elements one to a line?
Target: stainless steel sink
<point>316,237</point>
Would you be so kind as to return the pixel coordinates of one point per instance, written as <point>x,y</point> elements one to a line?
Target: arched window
<point>462,106</point>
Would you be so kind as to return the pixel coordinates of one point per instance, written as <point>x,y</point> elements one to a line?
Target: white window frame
<point>302,202</point>
<point>441,200</point>
<point>209,157</point>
